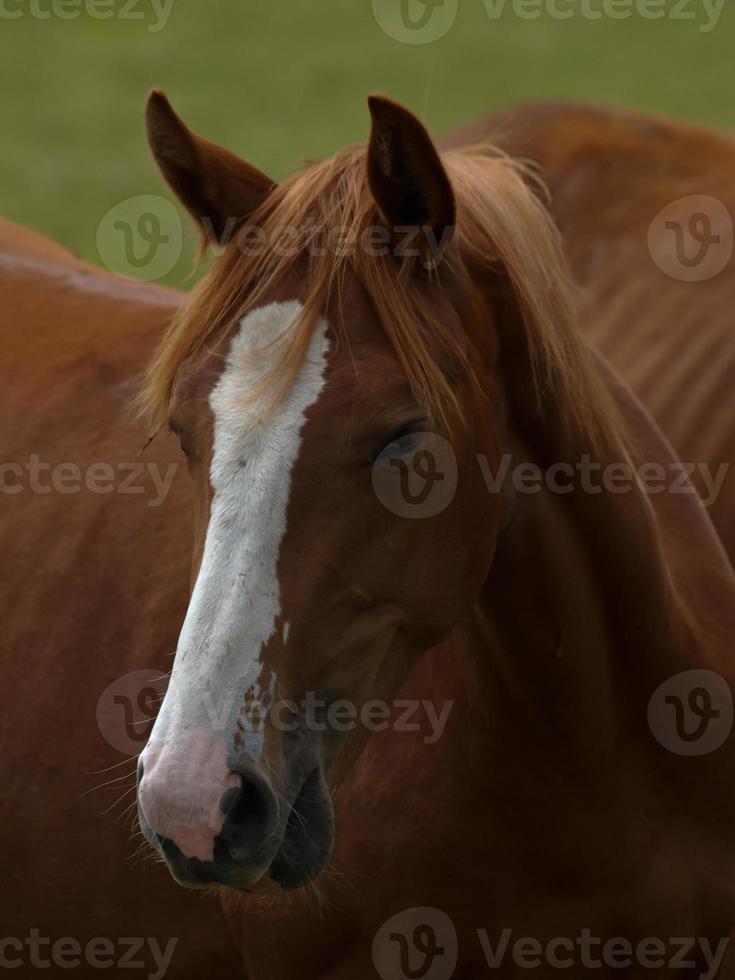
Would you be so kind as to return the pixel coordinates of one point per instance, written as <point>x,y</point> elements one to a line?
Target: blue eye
<point>400,445</point>
<point>403,442</point>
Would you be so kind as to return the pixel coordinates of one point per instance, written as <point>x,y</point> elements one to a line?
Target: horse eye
<point>404,441</point>
<point>184,440</point>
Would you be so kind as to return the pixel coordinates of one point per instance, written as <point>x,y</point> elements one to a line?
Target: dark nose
<point>245,846</point>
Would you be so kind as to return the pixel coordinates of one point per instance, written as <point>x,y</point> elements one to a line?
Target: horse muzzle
<point>223,823</point>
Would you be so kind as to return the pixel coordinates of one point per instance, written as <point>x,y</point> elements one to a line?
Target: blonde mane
<point>502,225</point>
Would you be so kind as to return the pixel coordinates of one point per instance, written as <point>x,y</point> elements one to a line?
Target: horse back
<point>611,175</point>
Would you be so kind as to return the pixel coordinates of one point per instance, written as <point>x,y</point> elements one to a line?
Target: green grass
<point>279,82</point>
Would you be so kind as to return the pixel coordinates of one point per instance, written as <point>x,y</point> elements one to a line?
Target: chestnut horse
<point>94,582</point>
<point>662,318</point>
<point>348,407</point>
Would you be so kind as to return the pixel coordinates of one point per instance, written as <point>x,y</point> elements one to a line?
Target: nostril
<point>248,804</point>
<point>250,815</point>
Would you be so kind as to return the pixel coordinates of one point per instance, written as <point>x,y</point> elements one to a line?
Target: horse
<point>621,183</point>
<point>93,588</point>
<point>378,386</point>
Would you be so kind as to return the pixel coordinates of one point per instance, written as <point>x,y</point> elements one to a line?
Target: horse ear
<point>218,188</point>
<point>406,176</point>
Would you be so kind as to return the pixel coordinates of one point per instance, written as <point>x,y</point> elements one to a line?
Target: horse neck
<point>581,617</point>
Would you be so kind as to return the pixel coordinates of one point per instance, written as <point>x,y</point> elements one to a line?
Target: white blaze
<point>235,604</point>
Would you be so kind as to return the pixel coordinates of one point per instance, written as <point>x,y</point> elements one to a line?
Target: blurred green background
<point>280,82</point>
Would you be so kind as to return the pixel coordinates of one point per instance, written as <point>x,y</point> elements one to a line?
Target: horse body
<point>611,173</point>
<point>93,587</point>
